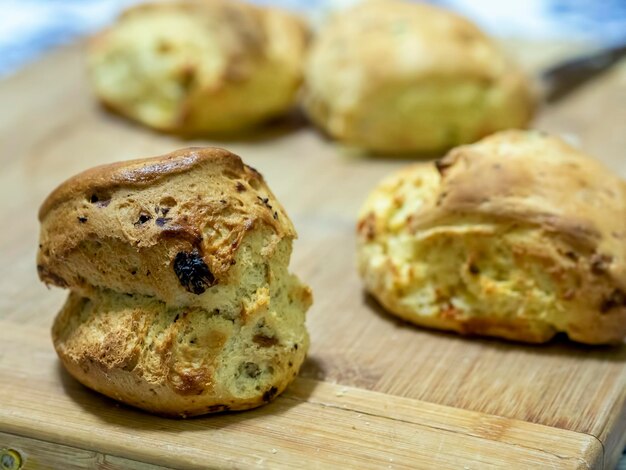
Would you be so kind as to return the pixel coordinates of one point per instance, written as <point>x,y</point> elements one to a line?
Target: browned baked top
<point>566,193</point>
<point>141,172</point>
<point>146,223</point>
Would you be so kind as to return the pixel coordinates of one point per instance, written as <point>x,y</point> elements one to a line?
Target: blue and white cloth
<point>30,27</point>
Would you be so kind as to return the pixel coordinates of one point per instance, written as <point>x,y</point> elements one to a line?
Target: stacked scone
<point>181,302</point>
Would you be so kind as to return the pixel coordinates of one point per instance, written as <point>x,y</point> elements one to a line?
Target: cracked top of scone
<point>518,235</point>
<point>533,178</point>
<point>168,227</point>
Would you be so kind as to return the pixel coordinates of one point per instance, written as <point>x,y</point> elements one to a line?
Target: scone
<point>392,76</point>
<point>181,302</point>
<point>199,66</point>
<point>518,236</point>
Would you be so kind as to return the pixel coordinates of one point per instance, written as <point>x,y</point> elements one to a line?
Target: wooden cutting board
<point>374,392</point>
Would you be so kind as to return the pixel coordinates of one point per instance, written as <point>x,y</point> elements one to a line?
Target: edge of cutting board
<point>51,419</point>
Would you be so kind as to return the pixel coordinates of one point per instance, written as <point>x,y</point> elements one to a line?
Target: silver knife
<point>562,79</point>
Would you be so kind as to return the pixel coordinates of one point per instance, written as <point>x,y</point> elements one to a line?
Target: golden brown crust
<point>136,173</point>
<point>142,216</point>
<point>518,236</point>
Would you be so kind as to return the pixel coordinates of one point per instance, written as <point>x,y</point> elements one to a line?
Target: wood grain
<point>314,424</point>
<point>429,398</point>
<point>42,455</point>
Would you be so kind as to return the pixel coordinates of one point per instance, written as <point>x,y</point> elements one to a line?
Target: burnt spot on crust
<point>616,299</point>
<point>192,272</point>
<point>269,394</point>
<point>240,187</point>
<point>265,341</point>
<point>600,263</point>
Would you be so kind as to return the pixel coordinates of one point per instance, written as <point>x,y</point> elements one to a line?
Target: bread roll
<point>199,66</point>
<point>518,236</point>
<point>181,302</point>
<point>393,76</point>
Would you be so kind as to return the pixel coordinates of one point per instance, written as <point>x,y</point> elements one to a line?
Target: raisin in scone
<point>397,76</point>
<point>518,236</point>
<point>199,66</point>
<point>181,301</point>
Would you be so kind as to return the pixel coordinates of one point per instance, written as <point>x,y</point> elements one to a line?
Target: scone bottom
<point>181,302</point>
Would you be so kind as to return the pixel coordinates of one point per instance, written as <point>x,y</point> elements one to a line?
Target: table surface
<point>374,390</point>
